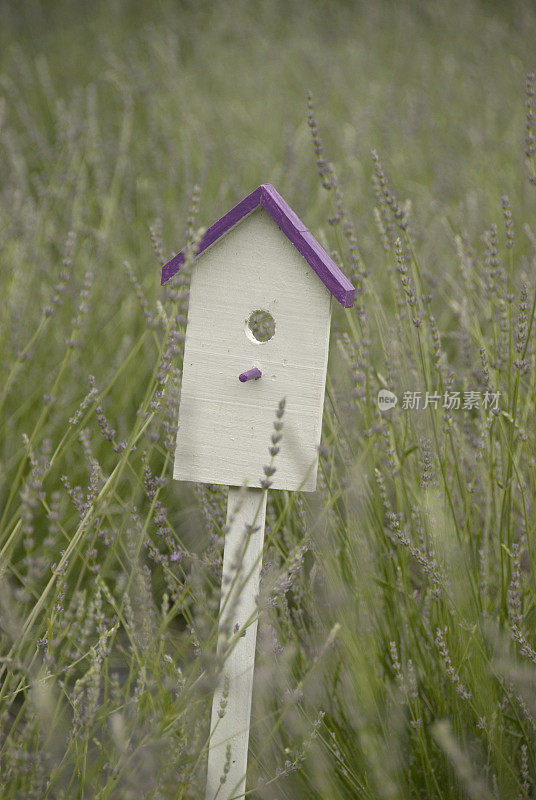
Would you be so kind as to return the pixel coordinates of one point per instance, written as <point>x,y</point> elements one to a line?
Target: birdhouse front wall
<point>225,426</point>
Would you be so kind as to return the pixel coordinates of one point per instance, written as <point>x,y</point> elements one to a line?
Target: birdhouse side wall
<point>225,426</point>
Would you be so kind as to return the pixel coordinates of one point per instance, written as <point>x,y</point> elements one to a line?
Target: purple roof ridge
<point>293,228</point>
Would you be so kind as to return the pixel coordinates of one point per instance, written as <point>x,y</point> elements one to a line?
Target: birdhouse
<point>257,331</point>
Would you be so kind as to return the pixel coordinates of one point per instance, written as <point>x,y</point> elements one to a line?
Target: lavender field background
<point>397,643</point>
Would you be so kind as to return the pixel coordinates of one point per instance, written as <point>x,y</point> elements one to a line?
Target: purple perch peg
<point>250,375</point>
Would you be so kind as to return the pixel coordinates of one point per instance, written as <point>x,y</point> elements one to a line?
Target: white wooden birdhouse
<point>258,330</point>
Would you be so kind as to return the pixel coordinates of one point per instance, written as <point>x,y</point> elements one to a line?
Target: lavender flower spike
<point>250,374</point>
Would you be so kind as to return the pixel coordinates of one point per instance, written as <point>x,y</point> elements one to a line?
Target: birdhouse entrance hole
<point>260,326</point>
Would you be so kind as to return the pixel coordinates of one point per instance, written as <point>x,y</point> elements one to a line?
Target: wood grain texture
<point>237,634</point>
<point>224,425</point>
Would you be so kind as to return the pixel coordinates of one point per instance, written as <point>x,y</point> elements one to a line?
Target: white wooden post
<point>242,561</point>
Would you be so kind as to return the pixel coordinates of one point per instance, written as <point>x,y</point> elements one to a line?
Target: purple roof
<point>293,228</point>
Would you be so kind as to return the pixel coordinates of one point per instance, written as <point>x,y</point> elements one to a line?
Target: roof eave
<point>290,224</point>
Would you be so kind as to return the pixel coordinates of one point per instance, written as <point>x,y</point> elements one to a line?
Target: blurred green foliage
<point>396,638</point>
